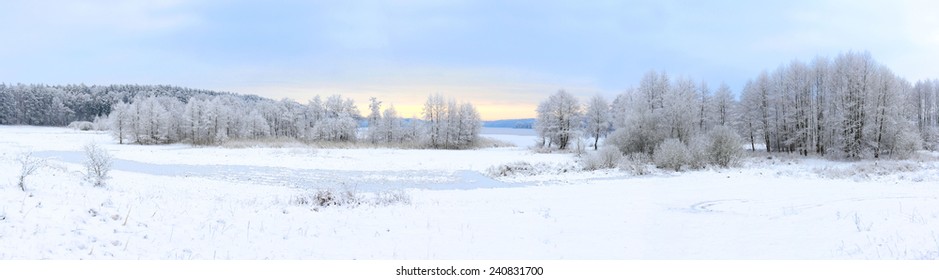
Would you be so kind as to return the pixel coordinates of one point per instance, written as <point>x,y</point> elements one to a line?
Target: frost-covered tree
<point>703,102</point>
<point>435,114</point>
<point>722,106</point>
<point>597,119</point>
<point>375,132</point>
<point>559,119</point>
<point>391,127</point>
<point>543,126</point>
<point>639,126</point>
<point>468,125</point>
<point>338,120</point>
<point>121,119</point>
<point>195,116</point>
<point>148,120</point>
<point>849,107</point>
<point>748,113</point>
<point>681,109</point>
<point>924,101</point>
<point>255,126</point>
<point>7,109</point>
<point>449,125</point>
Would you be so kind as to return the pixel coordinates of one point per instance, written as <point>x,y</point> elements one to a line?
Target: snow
<point>182,202</point>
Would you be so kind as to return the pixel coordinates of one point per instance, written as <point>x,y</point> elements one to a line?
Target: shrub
<point>102,123</point>
<point>671,154</point>
<point>509,169</point>
<point>97,164</point>
<point>724,146</point>
<point>699,152</point>
<point>527,169</point>
<point>350,198</point>
<point>604,158</point>
<point>81,125</point>
<point>29,163</point>
<point>930,138</point>
<point>636,164</point>
<point>329,197</point>
<point>907,142</point>
<point>391,197</point>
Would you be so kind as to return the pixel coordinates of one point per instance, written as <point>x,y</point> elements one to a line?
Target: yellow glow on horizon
<point>493,103</point>
<point>487,112</point>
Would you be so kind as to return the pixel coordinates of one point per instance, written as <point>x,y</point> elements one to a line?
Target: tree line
<point>59,105</point>
<point>205,120</point>
<point>158,114</point>
<point>846,107</point>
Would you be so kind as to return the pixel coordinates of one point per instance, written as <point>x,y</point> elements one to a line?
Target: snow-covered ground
<point>181,202</point>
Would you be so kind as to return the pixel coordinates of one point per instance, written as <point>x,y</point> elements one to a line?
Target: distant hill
<point>512,123</point>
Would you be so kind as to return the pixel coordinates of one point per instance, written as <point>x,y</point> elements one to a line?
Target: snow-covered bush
<point>29,163</point>
<point>636,164</point>
<point>605,158</point>
<point>350,198</point>
<point>391,197</point>
<point>671,154</point>
<point>81,125</point>
<point>97,164</point>
<point>330,197</point>
<point>931,138</point>
<point>523,168</point>
<point>906,143</point>
<point>699,152</point>
<point>631,139</point>
<point>102,123</point>
<point>509,169</point>
<point>724,146</point>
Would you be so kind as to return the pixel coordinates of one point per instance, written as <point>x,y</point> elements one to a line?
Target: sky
<point>503,56</point>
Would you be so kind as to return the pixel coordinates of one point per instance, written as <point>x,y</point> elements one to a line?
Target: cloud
<point>62,18</point>
<point>498,53</point>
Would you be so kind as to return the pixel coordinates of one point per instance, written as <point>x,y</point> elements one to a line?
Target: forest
<point>849,106</point>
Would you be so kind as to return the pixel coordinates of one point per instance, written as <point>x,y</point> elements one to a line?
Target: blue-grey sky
<point>504,56</point>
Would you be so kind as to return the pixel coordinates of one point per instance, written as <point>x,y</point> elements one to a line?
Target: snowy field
<point>182,202</point>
